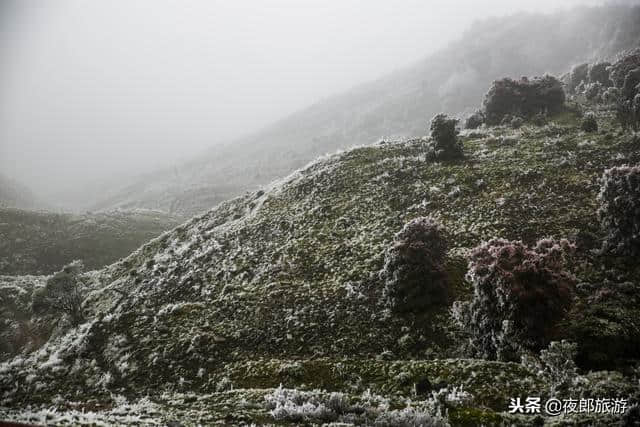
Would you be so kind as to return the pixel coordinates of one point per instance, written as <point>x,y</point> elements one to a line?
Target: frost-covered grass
<point>281,286</point>
<point>142,412</point>
<point>299,406</point>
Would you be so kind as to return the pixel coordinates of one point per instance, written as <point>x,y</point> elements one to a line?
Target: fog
<point>94,92</point>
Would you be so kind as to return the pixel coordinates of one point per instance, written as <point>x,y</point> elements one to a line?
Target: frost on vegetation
<point>556,365</point>
<point>141,412</point>
<point>315,406</point>
<point>519,295</point>
<point>523,98</point>
<point>474,120</point>
<point>179,308</point>
<point>410,417</point>
<point>63,293</point>
<point>298,406</point>
<point>413,271</point>
<point>452,396</point>
<point>444,144</point>
<point>620,209</point>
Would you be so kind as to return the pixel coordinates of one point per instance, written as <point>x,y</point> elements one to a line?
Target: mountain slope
<point>398,105</point>
<point>42,242</point>
<point>281,287</point>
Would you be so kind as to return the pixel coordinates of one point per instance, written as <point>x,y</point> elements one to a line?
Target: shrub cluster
<point>620,210</point>
<point>611,95</point>
<point>631,84</point>
<point>523,98</point>
<point>599,73</point>
<point>578,75</point>
<point>475,120</point>
<point>514,122</point>
<point>625,63</point>
<point>625,96</point>
<point>593,92</point>
<point>520,294</point>
<point>444,143</point>
<point>413,272</point>
<point>590,80</point>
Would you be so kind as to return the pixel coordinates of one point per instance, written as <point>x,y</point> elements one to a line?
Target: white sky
<point>91,89</point>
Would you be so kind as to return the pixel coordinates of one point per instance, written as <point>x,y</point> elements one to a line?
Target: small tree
<point>63,293</point>
<point>414,271</point>
<point>520,294</point>
<point>620,209</point>
<point>444,135</point>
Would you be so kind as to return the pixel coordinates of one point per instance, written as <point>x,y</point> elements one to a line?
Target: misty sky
<point>95,90</point>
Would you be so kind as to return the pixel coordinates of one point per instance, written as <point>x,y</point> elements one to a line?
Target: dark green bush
<point>413,272</point>
<point>444,143</point>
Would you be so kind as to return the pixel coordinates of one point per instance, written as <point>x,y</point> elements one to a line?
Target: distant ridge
<point>400,104</point>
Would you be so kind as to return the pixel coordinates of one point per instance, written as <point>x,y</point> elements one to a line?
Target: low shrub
<point>516,122</point>
<point>475,120</point>
<point>539,119</point>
